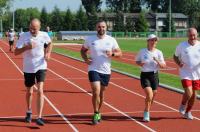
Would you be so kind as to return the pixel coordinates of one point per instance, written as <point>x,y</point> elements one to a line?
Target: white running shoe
<point>182,109</point>
<point>188,116</point>
<point>146,116</point>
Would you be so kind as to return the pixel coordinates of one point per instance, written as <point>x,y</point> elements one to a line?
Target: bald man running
<point>187,57</point>
<point>35,58</point>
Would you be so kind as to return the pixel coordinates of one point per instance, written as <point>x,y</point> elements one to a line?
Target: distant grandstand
<point>76,35</point>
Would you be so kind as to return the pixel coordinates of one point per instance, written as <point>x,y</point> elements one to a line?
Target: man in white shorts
<point>187,57</point>
<point>35,58</point>
<point>102,48</point>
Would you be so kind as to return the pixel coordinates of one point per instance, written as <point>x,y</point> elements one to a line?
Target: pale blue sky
<point>49,4</point>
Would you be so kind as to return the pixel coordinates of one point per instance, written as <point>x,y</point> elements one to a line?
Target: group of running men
<point>36,47</point>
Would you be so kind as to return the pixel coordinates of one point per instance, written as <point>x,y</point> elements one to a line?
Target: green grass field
<point>167,46</point>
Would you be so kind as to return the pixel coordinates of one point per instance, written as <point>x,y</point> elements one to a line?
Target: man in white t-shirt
<point>187,57</point>
<point>102,48</point>
<point>150,59</point>
<point>35,58</point>
<point>11,39</point>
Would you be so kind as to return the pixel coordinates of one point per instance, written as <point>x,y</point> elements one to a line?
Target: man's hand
<point>47,56</point>
<point>109,53</point>
<point>88,61</point>
<point>30,45</point>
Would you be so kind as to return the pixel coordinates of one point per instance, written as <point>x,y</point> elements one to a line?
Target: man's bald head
<point>34,26</point>
<point>192,34</point>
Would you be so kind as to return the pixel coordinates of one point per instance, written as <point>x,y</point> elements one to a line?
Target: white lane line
<point>112,107</point>
<point>129,91</point>
<point>51,104</point>
<point>89,113</point>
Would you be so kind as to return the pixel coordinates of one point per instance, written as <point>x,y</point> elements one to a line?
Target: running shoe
<point>188,116</point>
<point>96,118</point>
<point>146,116</point>
<point>28,117</point>
<point>40,122</point>
<point>99,117</point>
<point>182,109</point>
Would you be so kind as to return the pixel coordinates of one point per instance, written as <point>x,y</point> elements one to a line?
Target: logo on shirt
<point>93,44</point>
<point>186,52</point>
<point>107,43</point>
<point>145,57</point>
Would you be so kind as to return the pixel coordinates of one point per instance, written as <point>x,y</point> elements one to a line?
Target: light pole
<point>170,18</point>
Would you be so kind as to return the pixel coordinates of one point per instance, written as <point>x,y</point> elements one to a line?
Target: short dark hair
<point>100,21</point>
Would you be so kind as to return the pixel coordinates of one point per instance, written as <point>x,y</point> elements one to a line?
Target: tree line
<point>87,15</point>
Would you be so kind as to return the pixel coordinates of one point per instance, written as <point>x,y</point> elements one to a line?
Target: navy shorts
<point>95,76</point>
<point>149,79</point>
<point>31,78</point>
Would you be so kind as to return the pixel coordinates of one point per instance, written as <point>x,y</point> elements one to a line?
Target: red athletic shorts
<point>188,83</point>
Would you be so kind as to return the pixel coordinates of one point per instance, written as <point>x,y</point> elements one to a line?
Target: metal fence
<point>145,34</point>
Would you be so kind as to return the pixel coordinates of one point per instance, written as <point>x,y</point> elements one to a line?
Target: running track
<point>68,101</point>
<point>129,58</point>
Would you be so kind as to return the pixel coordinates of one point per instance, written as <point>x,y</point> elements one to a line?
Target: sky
<point>48,4</point>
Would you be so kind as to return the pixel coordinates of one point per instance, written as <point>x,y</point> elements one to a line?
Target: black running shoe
<point>40,122</point>
<point>28,117</point>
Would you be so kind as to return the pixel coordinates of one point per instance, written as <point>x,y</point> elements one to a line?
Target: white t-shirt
<point>98,47</point>
<point>146,56</point>
<point>11,36</point>
<point>33,59</point>
<point>190,56</point>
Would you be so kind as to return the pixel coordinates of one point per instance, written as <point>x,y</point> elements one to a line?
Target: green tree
<point>4,7</point>
<point>119,22</point>
<point>81,18</point>
<point>56,20</point>
<point>20,20</point>
<point>44,18</point>
<point>32,13</point>
<point>125,6</point>
<point>142,24</point>
<point>68,20</point>
<point>156,5</point>
<point>92,5</point>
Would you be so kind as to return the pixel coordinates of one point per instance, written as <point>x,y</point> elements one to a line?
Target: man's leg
<point>96,100</point>
<point>29,97</point>
<point>101,96</point>
<point>186,97</point>
<point>40,99</point>
<point>96,95</point>
<point>40,103</point>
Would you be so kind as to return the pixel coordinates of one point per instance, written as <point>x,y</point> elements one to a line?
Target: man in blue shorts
<point>102,48</point>
<point>35,58</point>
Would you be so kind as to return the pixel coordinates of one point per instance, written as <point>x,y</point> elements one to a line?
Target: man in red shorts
<point>187,57</point>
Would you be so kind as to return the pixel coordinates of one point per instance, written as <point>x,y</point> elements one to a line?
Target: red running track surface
<point>68,89</point>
